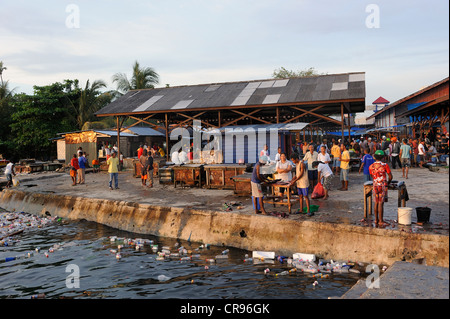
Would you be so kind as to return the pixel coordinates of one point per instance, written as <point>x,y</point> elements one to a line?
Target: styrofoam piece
<point>264,254</point>
<point>304,257</point>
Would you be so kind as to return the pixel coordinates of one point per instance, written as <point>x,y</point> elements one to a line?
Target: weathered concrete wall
<point>246,231</point>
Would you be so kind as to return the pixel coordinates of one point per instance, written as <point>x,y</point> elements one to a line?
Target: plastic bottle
<point>10,259</point>
<point>225,252</point>
<point>221,257</point>
<point>283,273</point>
<point>38,296</point>
<point>185,258</point>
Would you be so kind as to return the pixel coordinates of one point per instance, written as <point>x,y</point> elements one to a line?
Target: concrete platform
<point>404,280</point>
<point>425,188</point>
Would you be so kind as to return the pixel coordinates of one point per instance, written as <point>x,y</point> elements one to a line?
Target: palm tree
<point>89,102</point>
<point>142,78</point>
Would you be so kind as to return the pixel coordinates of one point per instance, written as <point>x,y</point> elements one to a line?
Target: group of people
<point>315,166</point>
<point>79,163</point>
<point>146,161</point>
<point>321,163</point>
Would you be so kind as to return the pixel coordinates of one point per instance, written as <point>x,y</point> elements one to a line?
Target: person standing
<point>378,171</point>
<point>265,152</point>
<point>323,156</point>
<point>415,149</point>
<point>405,156</point>
<point>278,155</point>
<point>395,156</point>
<point>144,167</point>
<point>366,161</point>
<point>150,170</point>
<point>74,166</point>
<point>284,170</point>
<point>255,182</point>
<point>345,167</point>
<point>336,152</point>
<point>326,173</point>
<point>140,151</point>
<point>310,157</point>
<point>302,180</point>
<point>82,168</point>
<point>421,153</point>
<point>113,170</point>
<point>9,172</point>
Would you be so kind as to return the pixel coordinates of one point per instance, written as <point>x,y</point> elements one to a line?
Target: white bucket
<point>404,215</point>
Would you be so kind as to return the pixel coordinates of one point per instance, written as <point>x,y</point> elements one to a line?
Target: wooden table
<point>287,190</point>
<point>221,175</point>
<point>188,175</point>
<point>402,196</point>
<point>242,186</point>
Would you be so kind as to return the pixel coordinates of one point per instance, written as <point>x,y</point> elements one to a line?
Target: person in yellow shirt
<point>113,170</point>
<point>345,167</point>
<point>336,152</point>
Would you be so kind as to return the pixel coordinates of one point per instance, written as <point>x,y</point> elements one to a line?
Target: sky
<point>402,46</point>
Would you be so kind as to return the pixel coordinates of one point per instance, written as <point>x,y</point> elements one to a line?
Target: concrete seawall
<point>251,232</point>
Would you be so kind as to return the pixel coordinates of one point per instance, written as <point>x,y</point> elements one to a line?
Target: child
<point>74,168</point>
<point>366,161</point>
<point>95,165</point>
<point>378,171</point>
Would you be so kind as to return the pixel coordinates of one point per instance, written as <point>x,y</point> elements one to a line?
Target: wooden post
<point>167,137</point>
<point>278,115</point>
<point>118,137</point>
<point>342,120</point>
<point>219,116</point>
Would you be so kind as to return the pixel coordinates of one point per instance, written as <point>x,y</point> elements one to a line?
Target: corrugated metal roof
<point>295,90</point>
<point>144,131</point>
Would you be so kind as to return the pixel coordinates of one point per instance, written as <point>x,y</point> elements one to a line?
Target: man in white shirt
<point>9,172</point>
<point>421,155</point>
<point>278,155</point>
<point>323,156</point>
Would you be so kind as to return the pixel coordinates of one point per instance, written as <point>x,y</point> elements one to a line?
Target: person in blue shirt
<point>366,161</point>
<point>82,170</point>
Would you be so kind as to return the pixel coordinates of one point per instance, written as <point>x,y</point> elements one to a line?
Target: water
<point>139,275</point>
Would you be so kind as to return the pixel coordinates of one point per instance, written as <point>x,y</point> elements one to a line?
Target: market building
<point>324,103</point>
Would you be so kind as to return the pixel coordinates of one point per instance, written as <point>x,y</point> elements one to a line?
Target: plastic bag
<point>318,191</point>
<point>15,182</point>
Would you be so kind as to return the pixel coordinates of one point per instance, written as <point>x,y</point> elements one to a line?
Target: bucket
<point>423,214</point>
<point>404,215</point>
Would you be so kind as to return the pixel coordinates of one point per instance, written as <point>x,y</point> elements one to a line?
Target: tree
<point>5,114</point>
<point>142,78</point>
<point>90,100</point>
<point>39,117</point>
<point>283,73</point>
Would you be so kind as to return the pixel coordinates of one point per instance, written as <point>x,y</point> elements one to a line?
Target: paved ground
<point>425,188</point>
<point>404,280</point>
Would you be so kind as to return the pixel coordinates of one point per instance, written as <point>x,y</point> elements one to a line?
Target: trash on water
<point>304,257</point>
<point>163,278</point>
<point>263,254</point>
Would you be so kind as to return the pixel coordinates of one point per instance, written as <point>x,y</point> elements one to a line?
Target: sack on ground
<point>318,191</point>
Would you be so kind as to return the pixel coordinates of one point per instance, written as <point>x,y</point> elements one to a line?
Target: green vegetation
<point>29,122</point>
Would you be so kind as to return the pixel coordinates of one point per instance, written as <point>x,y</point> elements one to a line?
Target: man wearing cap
<point>378,171</point>
<point>255,182</point>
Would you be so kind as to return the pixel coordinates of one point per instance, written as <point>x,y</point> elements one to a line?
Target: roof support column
<point>342,120</point>
<point>167,135</point>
